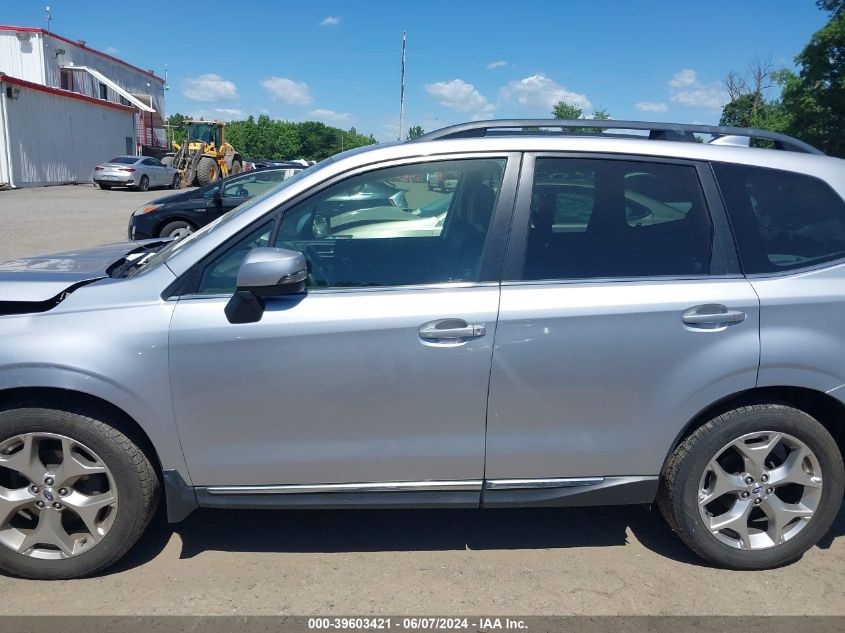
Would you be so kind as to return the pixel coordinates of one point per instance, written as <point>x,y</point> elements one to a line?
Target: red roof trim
<point>29,29</point>
<point>8,79</point>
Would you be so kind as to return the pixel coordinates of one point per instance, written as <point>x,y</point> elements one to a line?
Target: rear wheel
<point>143,184</point>
<point>178,228</point>
<point>753,488</point>
<point>207,170</point>
<point>76,493</point>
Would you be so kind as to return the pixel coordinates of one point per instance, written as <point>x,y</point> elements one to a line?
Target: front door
<point>621,322</point>
<point>380,372</point>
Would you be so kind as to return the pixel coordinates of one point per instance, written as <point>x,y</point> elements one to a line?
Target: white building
<point>65,107</point>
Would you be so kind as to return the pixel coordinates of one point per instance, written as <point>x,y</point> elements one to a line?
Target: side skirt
<point>496,493</point>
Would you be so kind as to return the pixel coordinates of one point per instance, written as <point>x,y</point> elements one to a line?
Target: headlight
<point>146,209</point>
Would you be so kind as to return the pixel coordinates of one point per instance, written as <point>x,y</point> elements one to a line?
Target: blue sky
<point>339,62</point>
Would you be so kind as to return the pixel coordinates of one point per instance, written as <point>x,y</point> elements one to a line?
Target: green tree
<point>177,129</point>
<point>415,131</point>
<point>814,98</point>
<point>564,110</point>
<point>285,140</point>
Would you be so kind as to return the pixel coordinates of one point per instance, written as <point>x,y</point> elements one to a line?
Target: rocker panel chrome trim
<point>390,486</point>
<point>521,484</point>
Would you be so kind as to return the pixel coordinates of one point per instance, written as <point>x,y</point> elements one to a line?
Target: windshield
<point>201,132</point>
<point>173,247</point>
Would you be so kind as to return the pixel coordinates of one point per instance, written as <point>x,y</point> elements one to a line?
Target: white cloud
<point>687,90</point>
<point>330,116</point>
<point>499,64</point>
<point>651,106</point>
<point>388,132</point>
<point>538,92</point>
<point>683,78</point>
<point>708,97</point>
<point>229,113</point>
<point>288,91</point>
<point>222,114</point>
<point>209,87</point>
<point>111,50</point>
<point>458,95</point>
<point>332,20</point>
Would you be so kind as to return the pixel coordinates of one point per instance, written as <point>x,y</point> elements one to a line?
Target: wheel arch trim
<point>52,381</point>
<point>827,408</point>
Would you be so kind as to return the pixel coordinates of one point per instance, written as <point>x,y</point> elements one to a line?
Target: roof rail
<point>657,131</point>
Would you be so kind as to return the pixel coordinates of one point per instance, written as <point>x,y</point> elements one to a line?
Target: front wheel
<point>753,488</point>
<point>77,493</point>
<point>207,170</point>
<point>177,229</point>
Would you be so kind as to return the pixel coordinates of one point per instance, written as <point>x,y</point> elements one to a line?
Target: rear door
<point>623,314</point>
<point>156,172</point>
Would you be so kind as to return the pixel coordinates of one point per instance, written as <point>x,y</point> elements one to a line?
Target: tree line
<point>268,138</point>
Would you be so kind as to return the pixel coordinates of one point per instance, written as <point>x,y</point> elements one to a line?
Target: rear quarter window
<point>782,220</point>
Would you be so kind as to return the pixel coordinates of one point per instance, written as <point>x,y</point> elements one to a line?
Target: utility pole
<point>402,90</point>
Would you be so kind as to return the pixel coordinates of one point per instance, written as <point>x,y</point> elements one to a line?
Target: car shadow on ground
<point>331,531</point>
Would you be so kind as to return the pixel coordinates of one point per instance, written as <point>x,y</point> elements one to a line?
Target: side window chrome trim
<point>622,280</point>
<point>461,285</point>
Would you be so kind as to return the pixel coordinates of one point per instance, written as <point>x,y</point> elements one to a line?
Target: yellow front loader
<point>205,155</point>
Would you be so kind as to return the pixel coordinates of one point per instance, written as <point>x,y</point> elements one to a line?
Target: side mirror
<point>265,272</point>
<point>217,198</point>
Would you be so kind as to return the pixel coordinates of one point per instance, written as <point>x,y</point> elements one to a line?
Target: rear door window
<point>782,220</point>
<point>596,218</point>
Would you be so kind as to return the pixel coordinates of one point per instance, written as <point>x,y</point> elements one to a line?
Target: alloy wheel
<point>58,499</point>
<point>760,490</point>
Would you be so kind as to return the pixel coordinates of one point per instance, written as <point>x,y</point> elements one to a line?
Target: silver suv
<point>597,318</point>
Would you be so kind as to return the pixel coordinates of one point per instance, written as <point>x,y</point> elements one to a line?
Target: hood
<point>46,277</point>
<point>174,197</point>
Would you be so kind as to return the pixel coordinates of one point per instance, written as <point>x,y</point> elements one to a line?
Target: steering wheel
<point>316,268</point>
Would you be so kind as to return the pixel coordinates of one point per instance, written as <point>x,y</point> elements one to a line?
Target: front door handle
<point>451,329</point>
<point>712,315</point>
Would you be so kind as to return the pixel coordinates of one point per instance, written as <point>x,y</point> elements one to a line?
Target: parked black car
<point>183,213</point>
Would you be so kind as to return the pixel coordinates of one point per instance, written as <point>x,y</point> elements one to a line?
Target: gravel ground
<point>447,562</point>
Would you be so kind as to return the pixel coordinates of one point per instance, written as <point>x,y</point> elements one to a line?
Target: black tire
<point>134,476</point>
<point>177,181</point>
<point>104,186</point>
<point>144,184</point>
<point>169,229</point>
<point>207,171</point>
<point>679,486</point>
<point>237,168</point>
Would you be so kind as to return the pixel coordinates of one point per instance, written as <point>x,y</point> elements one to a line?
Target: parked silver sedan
<point>140,172</point>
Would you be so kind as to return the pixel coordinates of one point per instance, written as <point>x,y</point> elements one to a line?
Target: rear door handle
<point>451,329</point>
<point>712,314</point>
